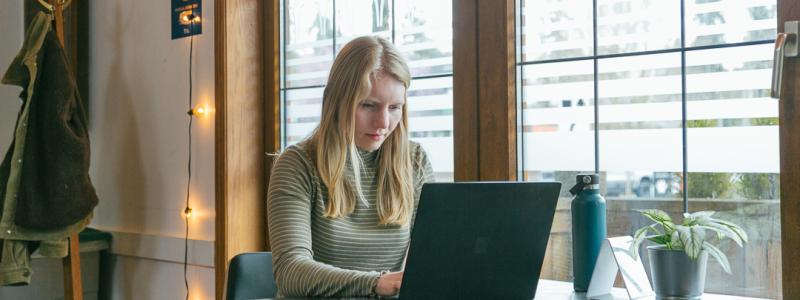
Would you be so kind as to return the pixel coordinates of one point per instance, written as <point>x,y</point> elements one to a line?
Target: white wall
<point>138,128</point>
<point>11,33</point>
<point>138,102</point>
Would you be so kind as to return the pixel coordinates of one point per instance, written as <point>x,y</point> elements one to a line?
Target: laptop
<point>479,240</point>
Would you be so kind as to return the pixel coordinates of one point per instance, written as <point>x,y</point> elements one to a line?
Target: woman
<point>341,203</point>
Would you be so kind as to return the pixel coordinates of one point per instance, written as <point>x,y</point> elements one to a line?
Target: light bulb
<point>199,110</point>
<point>188,17</point>
<point>187,212</point>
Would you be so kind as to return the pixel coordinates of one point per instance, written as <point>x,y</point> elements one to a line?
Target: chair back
<point>250,276</point>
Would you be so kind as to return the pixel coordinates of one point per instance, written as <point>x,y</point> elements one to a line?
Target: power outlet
<point>182,13</point>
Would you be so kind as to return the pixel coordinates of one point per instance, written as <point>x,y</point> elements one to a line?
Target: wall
<point>11,31</point>
<point>138,102</point>
<point>138,127</point>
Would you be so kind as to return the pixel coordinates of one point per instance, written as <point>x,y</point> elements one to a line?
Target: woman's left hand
<point>389,284</point>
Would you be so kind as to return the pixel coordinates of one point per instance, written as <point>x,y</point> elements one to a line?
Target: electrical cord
<point>187,211</point>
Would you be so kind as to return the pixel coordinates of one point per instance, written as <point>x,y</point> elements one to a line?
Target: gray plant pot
<point>675,276</point>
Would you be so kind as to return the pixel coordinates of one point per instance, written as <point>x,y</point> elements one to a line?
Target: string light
<point>199,110</point>
<point>187,212</point>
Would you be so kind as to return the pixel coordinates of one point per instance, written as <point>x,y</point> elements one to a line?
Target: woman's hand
<point>389,284</point>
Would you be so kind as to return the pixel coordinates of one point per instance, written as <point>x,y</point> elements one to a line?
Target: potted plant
<point>678,258</point>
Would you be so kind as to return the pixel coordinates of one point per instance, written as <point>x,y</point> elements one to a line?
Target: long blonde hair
<point>350,82</point>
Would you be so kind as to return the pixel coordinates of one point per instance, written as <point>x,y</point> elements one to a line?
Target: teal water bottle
<point>588,228</point>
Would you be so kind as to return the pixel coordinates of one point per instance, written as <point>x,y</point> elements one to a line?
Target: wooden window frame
<point>484,90</point>
<point>789,120</point>
<point>240,132</point>
<point>247,66</point>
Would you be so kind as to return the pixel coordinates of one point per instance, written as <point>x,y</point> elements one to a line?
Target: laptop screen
<point>479,240</point>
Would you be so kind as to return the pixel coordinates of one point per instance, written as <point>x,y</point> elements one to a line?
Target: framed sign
<point>182,11</point>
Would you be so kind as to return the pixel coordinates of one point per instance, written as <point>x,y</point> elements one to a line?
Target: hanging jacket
<point>46,170</point>
<point>27,221</point>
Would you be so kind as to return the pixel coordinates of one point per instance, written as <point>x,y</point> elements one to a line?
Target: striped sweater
<point>315,256</point>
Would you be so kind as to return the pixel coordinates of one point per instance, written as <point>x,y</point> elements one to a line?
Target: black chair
<point>250,276</point>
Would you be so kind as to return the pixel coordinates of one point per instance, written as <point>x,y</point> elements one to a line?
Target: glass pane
<point>558,143</point>
<point>303,108</point>
<point>425,35</point>
<point>558,117</point>
<point>713,22</point>
<point>356,18</point>
<point>640,137</point>
<point>430,118</point>
<point>640,116</point>
<point>425,38</point>
<point>309,42</point>
<point>734,162</point>
<point>631,26</point>
<point>555,29</point>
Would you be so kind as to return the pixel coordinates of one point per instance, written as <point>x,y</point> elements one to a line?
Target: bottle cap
<point>583,180</point>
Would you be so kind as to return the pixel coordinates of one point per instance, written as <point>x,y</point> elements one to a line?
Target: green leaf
<point>660,217</point>
<point>657,215</point>
<point>720,256</point>
<point>691,238</point>
<point>660,239</point>
<point>723,231</point>
<point>668,226</point>
<point>639,237</point>
<point>735,228</point>
<point>675,241</point>
<point>700,217</point>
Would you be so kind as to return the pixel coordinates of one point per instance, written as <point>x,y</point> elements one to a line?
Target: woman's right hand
<point>389,284</point>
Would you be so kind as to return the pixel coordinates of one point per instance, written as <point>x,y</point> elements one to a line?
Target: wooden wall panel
<point>272,108</point>
<point>497,90</point>
<point>484,90</point>
<point>239,179</point>
<point>220,154</point>
<point>465,90</point>
<point>789,112</point>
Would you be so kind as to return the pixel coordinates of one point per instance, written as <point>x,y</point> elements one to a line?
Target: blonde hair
<point>350,82</point>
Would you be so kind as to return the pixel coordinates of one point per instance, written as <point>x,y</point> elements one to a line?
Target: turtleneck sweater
<point>316,256</point>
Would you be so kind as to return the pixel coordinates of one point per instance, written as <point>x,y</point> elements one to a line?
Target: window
<point>314,31</point>
<point>653,95</point>
<point>667,100</point>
